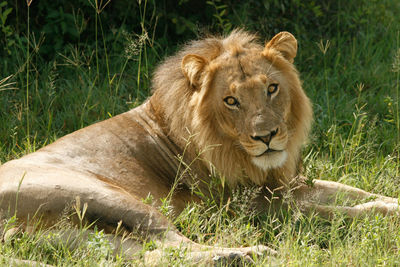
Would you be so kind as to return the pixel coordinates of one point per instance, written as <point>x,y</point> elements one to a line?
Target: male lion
<point>225,105</point>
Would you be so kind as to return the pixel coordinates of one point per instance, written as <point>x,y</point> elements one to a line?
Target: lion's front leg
<point>326,197</point>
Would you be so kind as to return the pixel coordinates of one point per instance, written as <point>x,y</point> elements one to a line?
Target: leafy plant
<point>6,29</point>
<point>221,10</point>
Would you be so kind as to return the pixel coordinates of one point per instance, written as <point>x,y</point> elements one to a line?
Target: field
<point>64,67</point>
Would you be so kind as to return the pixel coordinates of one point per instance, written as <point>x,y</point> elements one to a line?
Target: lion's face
<point>253,103</point>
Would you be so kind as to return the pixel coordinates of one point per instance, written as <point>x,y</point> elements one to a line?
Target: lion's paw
<point>213,255</point>
<point>233,258</point>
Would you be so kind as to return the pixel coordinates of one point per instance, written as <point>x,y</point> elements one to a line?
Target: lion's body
<point>128,152</point>
<point>225,105</point>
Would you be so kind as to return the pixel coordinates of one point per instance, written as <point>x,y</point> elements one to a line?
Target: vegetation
<point>65,65</point>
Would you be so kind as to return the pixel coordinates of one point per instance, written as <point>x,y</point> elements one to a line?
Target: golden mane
<point>174,104</point>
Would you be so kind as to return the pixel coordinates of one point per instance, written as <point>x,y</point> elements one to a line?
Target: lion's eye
<point>231,101</point>
<point>272,88</point>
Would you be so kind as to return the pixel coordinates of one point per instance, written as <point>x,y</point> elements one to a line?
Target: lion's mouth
<point>268,151</point>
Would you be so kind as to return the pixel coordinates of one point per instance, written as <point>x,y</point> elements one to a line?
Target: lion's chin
<point>270,160</point>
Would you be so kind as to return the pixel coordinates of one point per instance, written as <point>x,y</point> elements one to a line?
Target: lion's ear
<point>192,66</point>
<point>285,43</point>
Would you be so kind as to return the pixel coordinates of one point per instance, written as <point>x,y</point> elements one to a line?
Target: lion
<point>222,105</point>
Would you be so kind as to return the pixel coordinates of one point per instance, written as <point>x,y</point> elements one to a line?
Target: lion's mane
<point>181,116</point>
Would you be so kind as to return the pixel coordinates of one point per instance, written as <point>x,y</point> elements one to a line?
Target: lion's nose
<point>266,139</point>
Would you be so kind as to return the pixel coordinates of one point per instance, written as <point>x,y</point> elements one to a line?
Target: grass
<point>353,82</point>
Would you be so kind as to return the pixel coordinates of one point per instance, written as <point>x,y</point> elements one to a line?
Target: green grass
<point>354,85</point>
